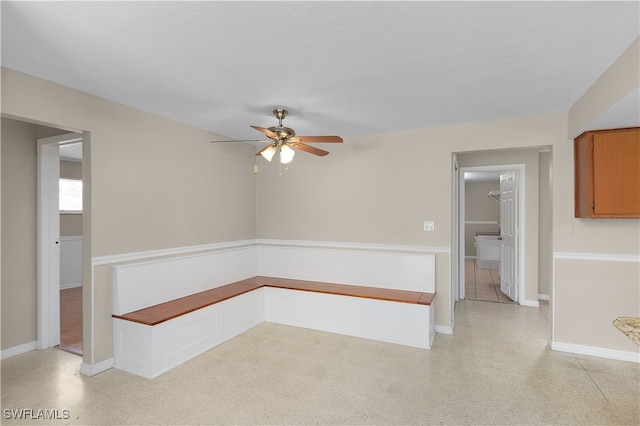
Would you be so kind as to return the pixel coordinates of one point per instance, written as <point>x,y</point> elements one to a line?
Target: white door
<point>509,228</point>
<point>48,324</point>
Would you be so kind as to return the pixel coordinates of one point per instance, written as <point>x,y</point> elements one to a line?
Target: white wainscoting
<point>151,351</point>
<point>70,262</point>
<point>385,266</point>
<point>144,284</point>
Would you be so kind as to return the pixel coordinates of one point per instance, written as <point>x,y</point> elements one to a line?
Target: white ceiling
<point>340,68</point>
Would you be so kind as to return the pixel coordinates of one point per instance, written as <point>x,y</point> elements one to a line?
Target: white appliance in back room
<point>488,251</point>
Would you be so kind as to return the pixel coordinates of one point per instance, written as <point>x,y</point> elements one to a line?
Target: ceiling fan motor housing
<point>283,133</point>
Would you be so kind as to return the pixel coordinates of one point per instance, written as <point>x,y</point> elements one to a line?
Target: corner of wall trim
<point>354,246</point>
<point>444,329</point>
<point>93,369</point>
<point>141,255</point>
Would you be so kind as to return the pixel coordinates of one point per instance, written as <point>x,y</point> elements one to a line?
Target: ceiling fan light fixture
<point>284,140</point>
<point>269,153</point>
<point>286,154</point>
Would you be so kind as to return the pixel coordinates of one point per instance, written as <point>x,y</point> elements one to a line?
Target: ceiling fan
<point>284,140</point>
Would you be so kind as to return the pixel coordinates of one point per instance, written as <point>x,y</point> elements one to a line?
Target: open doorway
<point>60,242</point>
<point>490,248</point>
<point>70,206</point>
<point>535,207</point>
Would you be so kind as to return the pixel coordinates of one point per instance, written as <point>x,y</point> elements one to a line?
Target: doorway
<point>59,215</point>
<point>71,247</point>
<point>490,249</point>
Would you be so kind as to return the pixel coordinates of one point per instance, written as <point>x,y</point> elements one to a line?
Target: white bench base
<point>393,322</point>
<point>149,351</point>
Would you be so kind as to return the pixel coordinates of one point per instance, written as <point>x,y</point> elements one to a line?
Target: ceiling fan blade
<point>309,149</point>
<point>316,139</point>
<point>266,131</point>
<point>240,140</point>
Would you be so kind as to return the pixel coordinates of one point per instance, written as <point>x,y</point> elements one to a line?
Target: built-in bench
<point>169,310</point>
<point>159,325</point>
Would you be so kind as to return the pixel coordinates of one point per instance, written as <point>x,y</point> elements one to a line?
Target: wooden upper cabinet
<point>607,173</point>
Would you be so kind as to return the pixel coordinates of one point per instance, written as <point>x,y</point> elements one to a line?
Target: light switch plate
<point>429,225</point>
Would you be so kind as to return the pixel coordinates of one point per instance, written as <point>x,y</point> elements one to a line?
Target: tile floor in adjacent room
<point>496,368</point>
<point>483,284</point>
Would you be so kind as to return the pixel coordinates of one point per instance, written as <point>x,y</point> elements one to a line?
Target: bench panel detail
<point>150,351</point>
<point>394,322</point>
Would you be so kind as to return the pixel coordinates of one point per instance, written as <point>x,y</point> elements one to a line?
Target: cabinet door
<point>583,157</point>
<point>616,174</point>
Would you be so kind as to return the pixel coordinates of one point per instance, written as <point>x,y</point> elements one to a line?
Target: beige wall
<point>380,188</point>
<point>151,183</point>
<point>589,295</point>
<point>70,224</point>
<point>70,169</point>
<point>19,192</point>
<point>479,207</point>
<point>18,141</point>
<point>545,223</point>
<point>620,79</point>
<point>18,233</point>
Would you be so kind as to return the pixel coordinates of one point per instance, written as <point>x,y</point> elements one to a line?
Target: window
<point>70,196</point>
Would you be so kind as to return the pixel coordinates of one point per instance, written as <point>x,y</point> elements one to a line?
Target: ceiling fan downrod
<point>281,132</point>
<point>280,114</point>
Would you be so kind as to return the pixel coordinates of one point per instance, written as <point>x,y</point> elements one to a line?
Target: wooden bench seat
<point>162,312</point>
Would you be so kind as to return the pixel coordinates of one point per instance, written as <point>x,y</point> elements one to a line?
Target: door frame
<point>48,238</point>
<point>459,244</point>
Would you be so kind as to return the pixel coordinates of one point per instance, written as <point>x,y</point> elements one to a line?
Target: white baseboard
<point>18,350</point>
<point>543,296</point>
<point>596,351</point>
<point>93,369</point>
<point>70,285</point>
<point>530,303</point>
<point>444,329</point>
